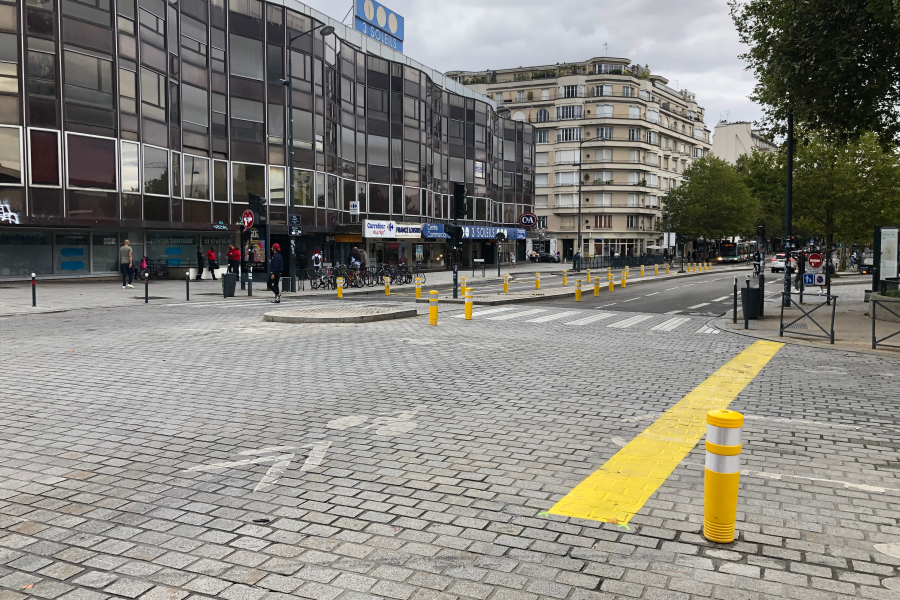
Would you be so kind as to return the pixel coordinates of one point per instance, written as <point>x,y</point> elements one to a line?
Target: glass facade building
<point>154,120</point>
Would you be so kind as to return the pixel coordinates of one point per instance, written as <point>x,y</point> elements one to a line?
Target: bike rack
<point>876,341</point>
<point>808,314</point>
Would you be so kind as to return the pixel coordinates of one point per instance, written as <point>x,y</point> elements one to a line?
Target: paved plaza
<point>196,450</point>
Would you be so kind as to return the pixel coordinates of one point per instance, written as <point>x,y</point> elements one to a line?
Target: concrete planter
<point>892,303</point>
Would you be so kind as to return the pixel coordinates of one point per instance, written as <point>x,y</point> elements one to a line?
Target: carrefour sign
<point>379,23</point>
<point>378,229</point>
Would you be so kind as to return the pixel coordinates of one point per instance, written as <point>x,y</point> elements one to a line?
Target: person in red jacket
<point>211,259</point>
<point>234,259</point>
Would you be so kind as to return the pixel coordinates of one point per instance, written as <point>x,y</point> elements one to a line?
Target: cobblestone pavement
<point>197,451</point>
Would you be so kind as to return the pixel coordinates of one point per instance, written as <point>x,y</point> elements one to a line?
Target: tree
<point>712,202</point>
<point>836,63</point>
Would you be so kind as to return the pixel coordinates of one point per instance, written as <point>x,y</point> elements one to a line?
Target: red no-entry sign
<point>247,219</point>
<point>814,260</point>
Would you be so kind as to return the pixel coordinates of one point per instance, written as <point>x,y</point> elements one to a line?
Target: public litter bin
<point>750,300</point>
<point>229,283</point>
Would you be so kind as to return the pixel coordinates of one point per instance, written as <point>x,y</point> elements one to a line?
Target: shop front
<point>480,243</point>
<point>399,243</point>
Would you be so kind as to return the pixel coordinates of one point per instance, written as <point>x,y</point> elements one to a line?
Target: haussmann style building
<point>609,133</point>
<point>155,120</point>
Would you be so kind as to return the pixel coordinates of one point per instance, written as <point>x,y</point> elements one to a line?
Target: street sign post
<point>247,219</point>
<point>294,220</point>
<point>294,231</point>
<point>809,278</point>
<point>814,261</point>
<point>820,279</point>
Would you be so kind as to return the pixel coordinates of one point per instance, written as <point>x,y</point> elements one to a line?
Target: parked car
<point>547,257</point>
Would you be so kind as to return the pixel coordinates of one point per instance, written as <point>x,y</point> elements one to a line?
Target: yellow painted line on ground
<point>618,490</point>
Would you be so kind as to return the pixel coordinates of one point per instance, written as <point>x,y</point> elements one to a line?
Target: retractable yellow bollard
<point>506,284</point>
<point>667,268</point>
<point>624,279</point>
<point>690,267</point>
<point>588,275</point>
<point>468,296</point>
<point>340,287</point>
<point>609,273</point>
<point>462,285</point>
<point>537,281</point>
<point>656,269</point>
<point>722,476</point>
<point>387,285</point>
<point>432,307</point>
<point>642,270</point>
<point>596,286</point>
<point>709,266</point>
<point>565,277</point>
<point>577,290</point>
<point>418,287</point>
<point>612,284</point>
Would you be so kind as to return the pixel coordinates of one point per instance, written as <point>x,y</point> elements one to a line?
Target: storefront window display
<point>23,252</point>
<point>175,248</point>
<point>71,253</point>
<point>104,251</point>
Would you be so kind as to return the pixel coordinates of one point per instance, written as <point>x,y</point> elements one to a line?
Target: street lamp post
<point>580,176</point>
<point>289,83</point>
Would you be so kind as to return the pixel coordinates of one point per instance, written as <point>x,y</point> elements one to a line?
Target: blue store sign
<point>379,23</point>
<point>436,230</point>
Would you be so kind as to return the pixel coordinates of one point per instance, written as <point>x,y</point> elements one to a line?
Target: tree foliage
<point>836,63</point>
<point>712,202</point>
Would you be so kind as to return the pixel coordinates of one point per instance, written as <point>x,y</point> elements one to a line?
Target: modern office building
<point>733,140</point>
<point>637,136</point>
<point>154,121</point>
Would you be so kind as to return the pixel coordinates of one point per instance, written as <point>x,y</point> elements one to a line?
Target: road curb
<point>296,316</point>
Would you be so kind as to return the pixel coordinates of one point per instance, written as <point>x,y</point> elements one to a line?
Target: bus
<point>734,252</point>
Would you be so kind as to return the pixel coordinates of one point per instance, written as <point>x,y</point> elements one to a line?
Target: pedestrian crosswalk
<point>661,323</point>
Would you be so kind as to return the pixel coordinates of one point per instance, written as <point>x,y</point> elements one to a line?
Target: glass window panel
<point>8,20</point>
<point>9,47</point>
<point>303,188</point>
<point>220,181</point>
<point>196,105</point>
<point>128,91</point>
<point>196,177</point>
<point>91,162</point>
<point>246,180</point>
<point>131,174</point>
<point>10,155</point>
<point>41,74</point>
<point>176,174</point>
<point>156,171</point>
<point>246,57</point>
<point>88,79</point>
<point>320,190</point>
<point>331,197</point>
<point>379,151</point>
<point>247,110</point>
<point>44,158</point>
<point>276,185</point>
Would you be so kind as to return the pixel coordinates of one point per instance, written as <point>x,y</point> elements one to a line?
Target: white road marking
<point>671,324</point>
<point>670,289</point>
<point>605,305</point>
<point>698,305</point>
<point>271,450</point>
<point>673,312</point>
<point>238,463</point>
<point>274,472</point>
<point>533,311</point>
<point>591,319</point>
<point>552,317</point>
<point>618,441</point>
<point>490,311</point>
<point>706,329</point>
<point>316,455</point>
<point>630,321</point>
<point>653,294</point>
<point>728,297</point>
<point>847,485</point>
<point>630,300</point>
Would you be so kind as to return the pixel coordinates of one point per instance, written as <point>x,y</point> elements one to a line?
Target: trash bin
<point>750,299</point>
<point>229,283</point>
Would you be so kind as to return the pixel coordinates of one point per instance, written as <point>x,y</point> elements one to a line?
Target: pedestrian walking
<point>576,261</point>
<point>211,260</point>
<point>363,259</point>
<point>512,261</point>
<point>199,263</point>
<point>126,258</point>
<point>276,266</point>
<point>234,258</point>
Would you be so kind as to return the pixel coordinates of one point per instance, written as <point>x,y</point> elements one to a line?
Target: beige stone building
<point>733,140</point>
<point>636,136</point>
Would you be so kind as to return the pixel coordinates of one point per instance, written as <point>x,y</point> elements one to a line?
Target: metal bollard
<point>612,283</point>
<point>340,287</point>
<point>537,281</point>
<point>146,287</point>
<point>565,277</point>
<point>506,284</point>
<point>418,287</point>
<point>578,290</point>
<point>588,275</point>
<point>642,270</point>
<point>596,286</point>
<point>387,285</point>
<point>734,312</point>
<point>432,307</point>
<point>33,290</point>
<point>468,297</point>
<point>187,286</point>
<point>722,474</point>
<point>746,313</point>
<point>250,283</point>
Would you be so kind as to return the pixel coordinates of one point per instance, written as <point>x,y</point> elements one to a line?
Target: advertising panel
<point>379,23</point>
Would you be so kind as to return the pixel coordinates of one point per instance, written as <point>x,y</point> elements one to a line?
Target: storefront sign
<point>408,230</point>
<point>378,229</point>
<point>380,23</point>
<point>174,241</point>
<point>436,230</point>
<point>354,207</point>
<point>348,237</point>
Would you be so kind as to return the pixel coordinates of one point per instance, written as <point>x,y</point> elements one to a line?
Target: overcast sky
<point>692,43</point>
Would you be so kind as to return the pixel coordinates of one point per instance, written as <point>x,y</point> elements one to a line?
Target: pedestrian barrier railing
<point>875,341</point>
<point>787,299</point>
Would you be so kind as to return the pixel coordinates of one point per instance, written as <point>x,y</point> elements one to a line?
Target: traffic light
<point>761,231</point>
<point>459,200</point>
<point>258,206</point>
<point>454,231</point>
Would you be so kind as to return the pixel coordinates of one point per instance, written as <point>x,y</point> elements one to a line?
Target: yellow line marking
<point>621,487</point>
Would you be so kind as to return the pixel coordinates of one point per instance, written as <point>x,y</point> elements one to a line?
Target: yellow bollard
<point>432,307</point>
<point>624,279</point>
<point>340,287</point>
<point>537,281</point>
<point>709,266</point>
<point>506,284</point>
<point>611,284</point>
<point>565,277</point>
<point>577,290</point>
<point>462,285</point>
<point>609,273</point>
<point>468,296</point>
<point>690,267</point>
<point>588,275</point>
<point>642,270</point>
<point>722,476</point>
<point>387,285</point>
<point>656,269</point>
<point>596,286</point>
<point>667,268</point>
<point>418,287</point>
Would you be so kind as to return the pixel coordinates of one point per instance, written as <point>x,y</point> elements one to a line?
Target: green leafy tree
<point>712,202</point>
<point>836,63</point>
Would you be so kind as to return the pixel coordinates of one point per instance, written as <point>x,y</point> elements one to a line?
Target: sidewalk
<point>852,323</point>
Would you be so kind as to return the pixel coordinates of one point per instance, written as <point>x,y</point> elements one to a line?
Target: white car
<point>777,263</point>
